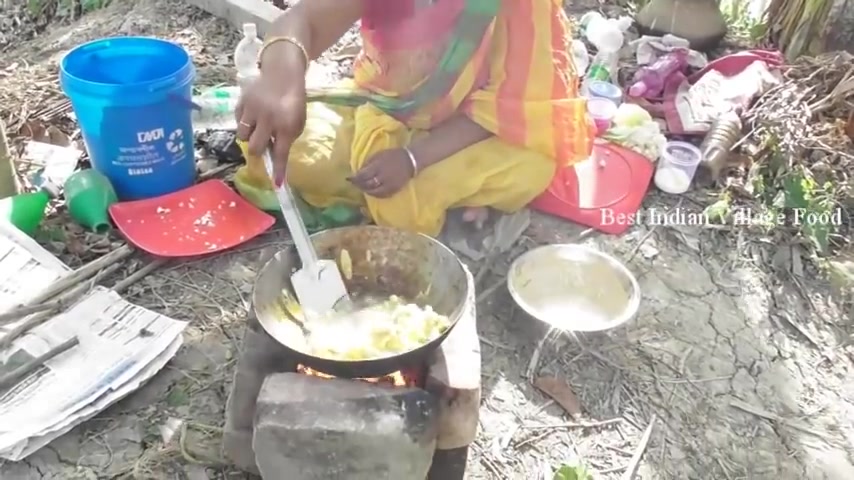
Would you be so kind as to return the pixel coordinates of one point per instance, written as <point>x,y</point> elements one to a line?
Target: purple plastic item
<point>649,81</point>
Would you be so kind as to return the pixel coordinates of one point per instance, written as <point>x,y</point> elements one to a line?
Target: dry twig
<point>29,367</point>
<point>632,467</point>
<point>753,410</point>
<point>82,274</point>
<point>67,297</point>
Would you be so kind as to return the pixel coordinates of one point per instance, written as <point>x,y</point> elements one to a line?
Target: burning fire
<point>395,379</point>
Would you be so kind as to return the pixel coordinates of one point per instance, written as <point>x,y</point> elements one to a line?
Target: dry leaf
<point>34,130</point>
<point>56,137</point>
<point>560,392</point>
<point>849,127</point>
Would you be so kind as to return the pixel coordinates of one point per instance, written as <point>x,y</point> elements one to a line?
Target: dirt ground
<point>739,358</point>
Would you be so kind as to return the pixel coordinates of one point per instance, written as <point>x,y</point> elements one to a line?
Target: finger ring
<point>244,124</point>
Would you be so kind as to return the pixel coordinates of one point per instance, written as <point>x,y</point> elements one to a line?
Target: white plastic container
<point>676,167</point>
<point>601,111</point>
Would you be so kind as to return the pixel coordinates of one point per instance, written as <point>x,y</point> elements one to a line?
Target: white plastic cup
<point>676,167</point>
<point>601,111</point>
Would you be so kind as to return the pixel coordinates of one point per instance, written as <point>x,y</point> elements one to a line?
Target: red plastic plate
<point>203,219</point>
<point>603,192</point>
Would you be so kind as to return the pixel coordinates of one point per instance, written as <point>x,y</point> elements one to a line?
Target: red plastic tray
<point>603,192</point>
<point>203,219</point>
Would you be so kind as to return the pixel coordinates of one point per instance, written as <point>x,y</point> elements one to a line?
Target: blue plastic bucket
<point>131,97</point>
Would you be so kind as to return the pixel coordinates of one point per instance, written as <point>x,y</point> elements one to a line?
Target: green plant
<point>796,25</point>
<point>741,20</point>
<point>784,185</point>
<point>813,205</point>
<point>572,472</point>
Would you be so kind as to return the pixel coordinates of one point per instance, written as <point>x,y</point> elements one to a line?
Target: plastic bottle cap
<point>250,30</point>
<point>637,89</point>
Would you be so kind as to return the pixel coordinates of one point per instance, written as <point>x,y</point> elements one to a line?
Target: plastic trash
<point>607,35</point>
<point>580,56</point>
<point>216,109</point>
<point>649,80</point>
<point>25,210</point>
<point>600,89</point>
<point>217,105</point>
<point>246,55</point>
<point>602,111</point>
<point>677,166</point>
<point>89,195</point>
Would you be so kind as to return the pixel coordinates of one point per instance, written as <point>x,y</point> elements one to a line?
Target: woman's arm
<point>446,139</point>
<point>317,24</point>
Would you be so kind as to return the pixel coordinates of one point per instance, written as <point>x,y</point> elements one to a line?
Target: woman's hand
<point>273,108</point>
<point>385,174</point>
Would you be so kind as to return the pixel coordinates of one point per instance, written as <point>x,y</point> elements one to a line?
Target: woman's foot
<point>477,216</point>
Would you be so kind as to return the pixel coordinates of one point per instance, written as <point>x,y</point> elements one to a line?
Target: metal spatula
<point>318,285</point>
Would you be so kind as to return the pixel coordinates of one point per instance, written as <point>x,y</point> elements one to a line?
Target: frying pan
<point>385,261</point>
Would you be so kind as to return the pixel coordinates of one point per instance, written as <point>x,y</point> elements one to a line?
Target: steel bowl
<point>574,288</point>
<point>385,261</point>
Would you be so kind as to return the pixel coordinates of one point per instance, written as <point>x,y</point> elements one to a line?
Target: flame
<point>394,379</point>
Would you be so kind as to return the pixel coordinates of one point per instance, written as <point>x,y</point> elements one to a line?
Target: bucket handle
<point>189,104</point>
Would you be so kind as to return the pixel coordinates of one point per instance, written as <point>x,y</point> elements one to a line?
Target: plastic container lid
<point>682,154</point>
<point>598,88</point>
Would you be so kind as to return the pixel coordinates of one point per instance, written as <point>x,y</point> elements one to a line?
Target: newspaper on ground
<point>26,269</point>
<point>121,346</point>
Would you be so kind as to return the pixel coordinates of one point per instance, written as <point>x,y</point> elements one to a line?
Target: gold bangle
<point>288,39</point>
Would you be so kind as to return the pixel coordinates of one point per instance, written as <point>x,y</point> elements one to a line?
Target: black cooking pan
<point>385,261</point>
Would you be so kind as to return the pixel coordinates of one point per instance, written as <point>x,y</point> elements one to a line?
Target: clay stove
<point>286,422</point>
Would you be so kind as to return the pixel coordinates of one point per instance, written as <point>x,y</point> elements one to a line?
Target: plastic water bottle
<point>246,62</point>
<point>606,34</point>
<point>218,104</point>
<point>246,55</point>
<point>216,109</point>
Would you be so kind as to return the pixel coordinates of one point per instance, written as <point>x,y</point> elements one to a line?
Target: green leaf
<point>719,211</point>
<point>572,472</point>
<point>758,31</point>
<point>177,397</point>
<point>796,192</point>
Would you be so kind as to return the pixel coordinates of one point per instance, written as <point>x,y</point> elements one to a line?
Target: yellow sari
<point>519,85</point>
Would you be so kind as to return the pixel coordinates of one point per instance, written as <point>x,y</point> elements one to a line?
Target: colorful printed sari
<point>502,63</point>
